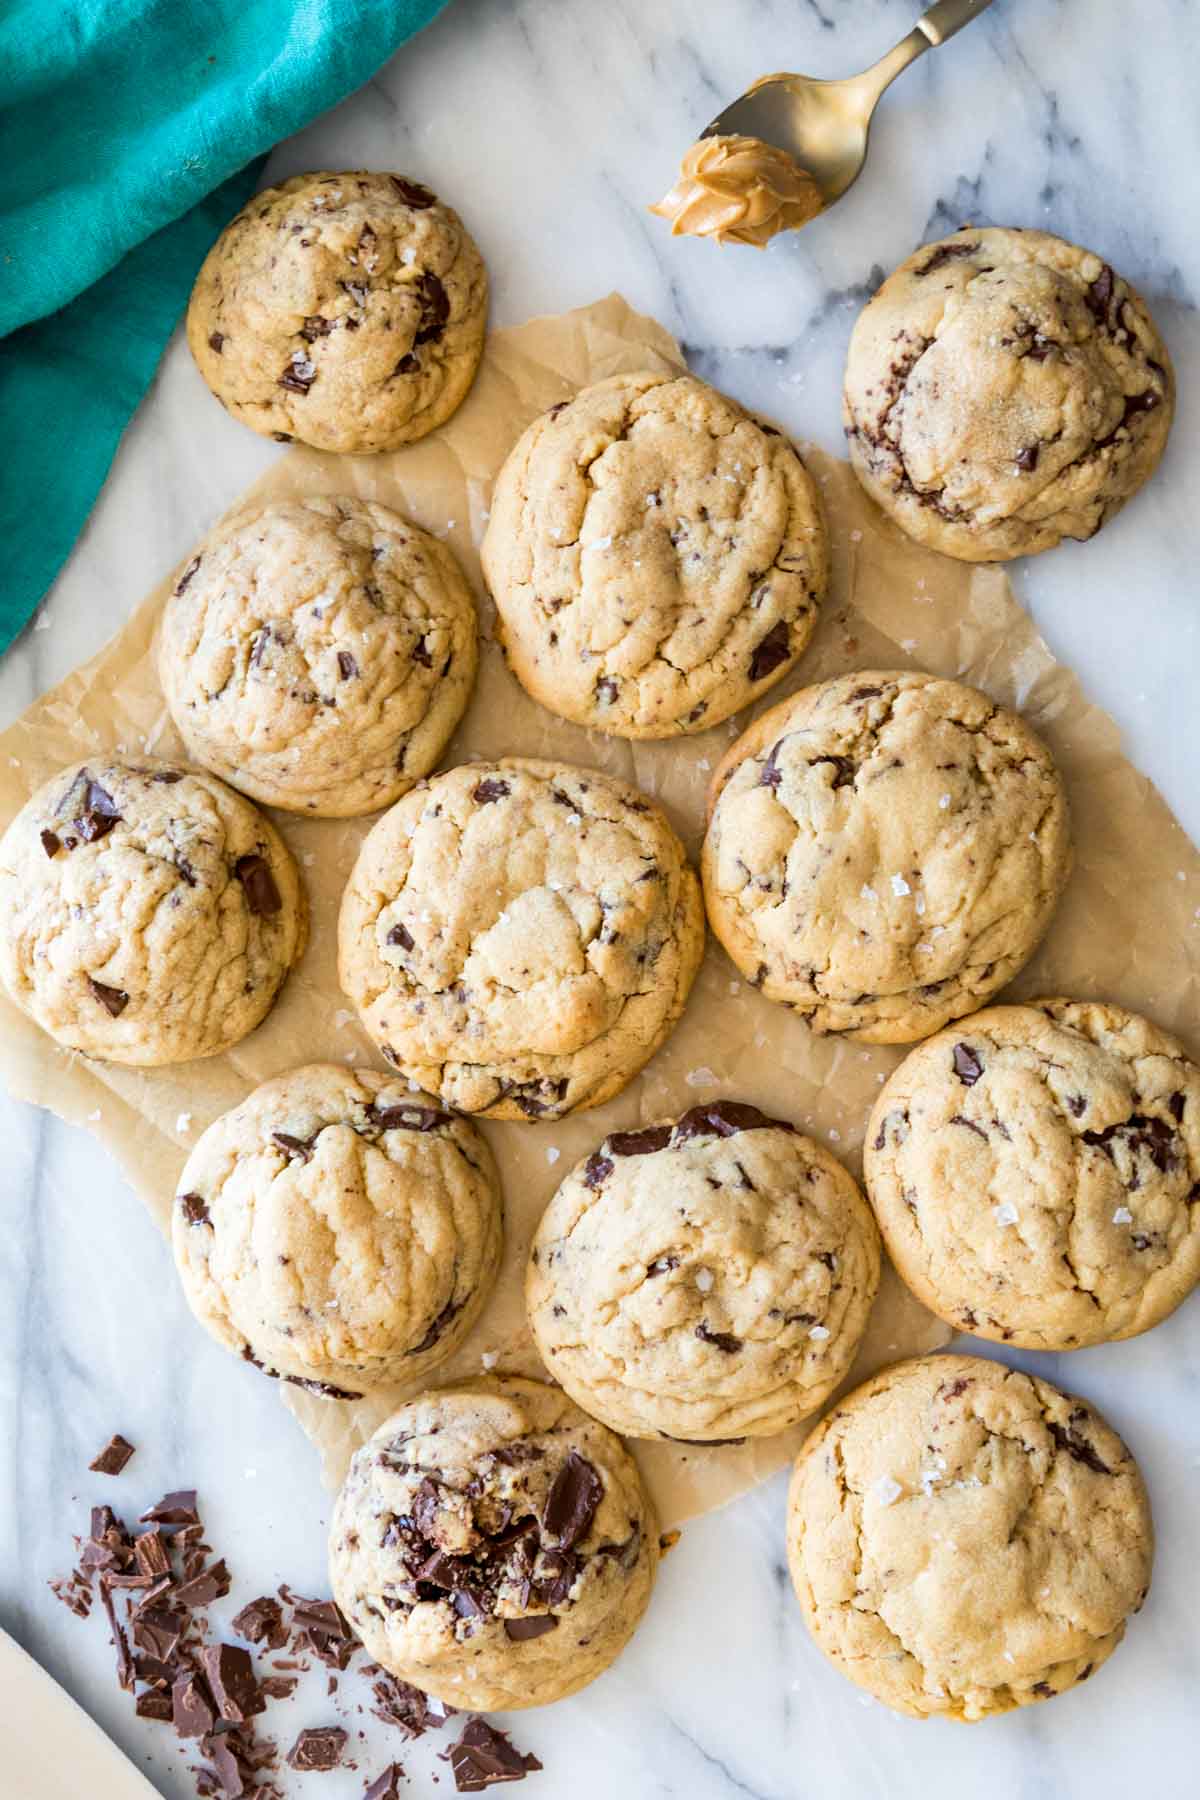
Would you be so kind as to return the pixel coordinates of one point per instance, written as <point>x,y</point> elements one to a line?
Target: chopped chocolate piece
<point>114,1456</point>
<point>191,1704</point>
<point>596,1170</point>
<point>216,341</point>
<point>1099,295</point>
<point>153,1704</point>
<point>490,790</point>
<point>204,1588</point>
<point>119,1641</point>
<point>318,1749</point>
<point>113,1000</point>
<point>294,1147</point>
<point>662,1265</point>
<point>231,1680</point>
<point>1139,1132</point>
<point>347,666</point>
<point>467,1605</point>
<point>571,1505</point>
<point>967,1065</point>
<point>322,1628</point>
<point>177,1508</point>
<point>387,1785</point>
<point>1069,1438</point>
<point>50,844</point>
<point>484,1756</point>
<point>1027,459</point>
<point>315,327</point>
<point>156,1631</point>
<point>400,1704</point>
<point>435,309</point>
<point>261,1622</point>
<point>725,1118</point>
<point>946,253</point>
<point>774,649</point>
<point>400,934</point>
<point>534,1625</point>
<point>299,374</point>
<point>638,1143</point>
<point>262,896</point>
<point>410,1118</point>
<point>413,193</point>
<point>99,811</point>
<point>151,1553</point>
<point>720,1340</point>
<point>194,1210</point>
<point>408,365</point>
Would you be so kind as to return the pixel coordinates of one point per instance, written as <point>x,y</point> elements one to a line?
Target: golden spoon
<point>823,125</point>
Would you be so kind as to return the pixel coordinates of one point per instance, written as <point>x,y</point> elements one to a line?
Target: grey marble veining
<point>552,123</point>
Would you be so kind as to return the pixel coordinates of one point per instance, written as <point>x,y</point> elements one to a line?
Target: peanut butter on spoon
<point>738,190</point>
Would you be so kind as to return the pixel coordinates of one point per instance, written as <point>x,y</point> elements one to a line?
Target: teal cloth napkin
<point>130,133</point>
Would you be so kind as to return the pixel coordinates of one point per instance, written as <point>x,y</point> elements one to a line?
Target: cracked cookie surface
<point>346,311</point>
<point>338,1230</point>
<point>1036,1173</point>
<point>318,654</point>
<point>1005,390</point>
<point>657,556</point>
<point>493,1545</point>
<point>519,937</point>
<point>964,1539</point>
<point>884,852</point>
<point>703,1280</point>
<point>148,914</point>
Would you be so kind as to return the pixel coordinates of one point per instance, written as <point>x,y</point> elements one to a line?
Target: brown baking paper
<point>891,605</point>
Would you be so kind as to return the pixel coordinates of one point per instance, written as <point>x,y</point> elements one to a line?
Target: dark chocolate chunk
<point>120,1642</point>
<point>774,649</point>
<point>50,844</point>
<point>490,790</point>
<point>178,1508</point>
<point>262,895</point>
<point>437,1328</point>
<point>113,1000</point>
<point>98,811</point>
<point>638,1143</point>
<point>1099,295</point>
<point>413,193</point>
<point>114,1456</point>
<point>720,1340</point>
<point>387,1785</point>
<point>596,1170</point>
<point>662,1265</point>
<point>400,1704</point>
<point>191,1704</point>
<point>533,1625</point>
<point>216,341</point>
<point>204,1587</point>
<point>408,365</point>
<point>315,327</point>
<point>153,1704</point>
<point>187,574</point>
<point>410,1118</point>
<point>950,1390</point>
<point>1027,459</point>
<point>484,1757</point>
<point>771,774</point>
<point>299,374</point>
<point>1139,1132</point>
<point>295,1149</point>
<point>400,934</point>
<point>261,1622</point>
<point>156,1632</point>
<point>420,654</point>
<point>571,1505</point>
<point>967,1065</point>
<point>725,1118</point>
<point>194,1210</point>
<point>844,770</point>
<point>278,1687</point>
<point>1069,1438</point>
<point>347,667</point>
<point>151,1553</point>
<point>946,253</point>
<point>318,1749</point>
<point>1076,1105</point>
<point>435,309</point>
<point>969,1125</point>
<point>231,1682</point>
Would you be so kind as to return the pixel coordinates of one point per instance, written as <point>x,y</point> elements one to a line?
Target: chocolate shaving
<point>262,895</point>
<point>114,1456</point>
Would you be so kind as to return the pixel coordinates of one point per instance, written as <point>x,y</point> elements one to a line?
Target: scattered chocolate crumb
<point>318,1749</point>
<point>114,1456</point>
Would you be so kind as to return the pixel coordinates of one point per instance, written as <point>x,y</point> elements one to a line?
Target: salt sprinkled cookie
<point>1005,390</point>
<point>493,1545</point>
<point>884,852</point>
<point>964,1539</point>
<point>520,937</point>
<point>148,914</point>
<point>705,1280</point>
<point>318,654</point>
<point>657,556</point>
<point>1036,1173</point>
<point>343,310</point>
<point>338,1230</point>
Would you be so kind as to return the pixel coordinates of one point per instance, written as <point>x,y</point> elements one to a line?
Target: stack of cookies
<point>884,852</point>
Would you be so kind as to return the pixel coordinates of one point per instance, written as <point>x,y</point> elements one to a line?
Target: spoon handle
<point>947,17</point>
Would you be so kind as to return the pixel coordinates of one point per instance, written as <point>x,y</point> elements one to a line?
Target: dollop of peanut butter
<point>738,190</point>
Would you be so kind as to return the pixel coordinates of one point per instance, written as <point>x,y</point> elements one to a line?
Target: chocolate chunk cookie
<point>884,852</point>
<point>703,1280</point>
<point>1036,1174</point>
<point>1005,390</point>
<point>657,557</point>
<point>338,1230</point>
<point>345,311</point>
<point>493,1545</point>
<point>148,914</point>
<point>318,654</point>
<point>964,1539</point>
<point>520,937</point>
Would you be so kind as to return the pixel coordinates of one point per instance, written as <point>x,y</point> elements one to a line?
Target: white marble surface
<point>552,123</point>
